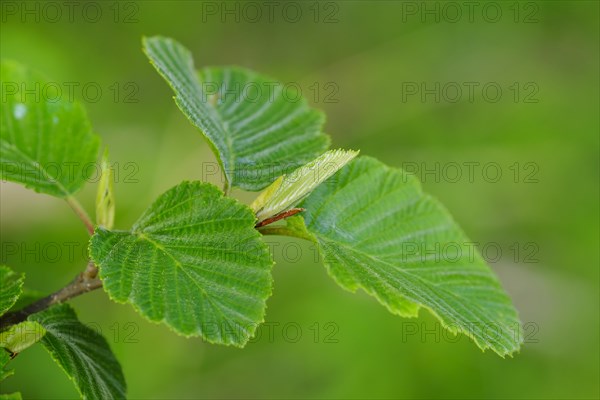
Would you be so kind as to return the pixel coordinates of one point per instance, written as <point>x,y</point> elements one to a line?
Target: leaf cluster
<point>196,260</point>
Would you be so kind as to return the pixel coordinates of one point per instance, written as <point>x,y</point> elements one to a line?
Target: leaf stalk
<point>81,213</point>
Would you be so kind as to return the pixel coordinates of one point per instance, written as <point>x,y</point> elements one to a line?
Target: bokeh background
<point>538,221</point>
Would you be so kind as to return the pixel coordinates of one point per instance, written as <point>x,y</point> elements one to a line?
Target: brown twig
<point>279,217</point>
<point>84,282</point>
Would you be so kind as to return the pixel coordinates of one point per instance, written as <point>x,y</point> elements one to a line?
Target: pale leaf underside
<point>21,336</point>
<point>292,188</point>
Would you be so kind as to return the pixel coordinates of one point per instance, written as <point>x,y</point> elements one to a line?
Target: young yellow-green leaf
<point>193,261</point>
<point>46,141</point>
<point>290,189</point>
<point>20,336</point>
<point>105,199</point>
<point>83,354</point>
<point>261,200</point>
<point>258,127</point>
<point>11,288</point>
<point>378,231</point>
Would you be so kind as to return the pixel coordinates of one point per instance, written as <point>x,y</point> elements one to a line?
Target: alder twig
<point>84,282</point>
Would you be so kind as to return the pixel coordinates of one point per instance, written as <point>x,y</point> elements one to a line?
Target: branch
<point>84,282</point>
<point>279,217</point>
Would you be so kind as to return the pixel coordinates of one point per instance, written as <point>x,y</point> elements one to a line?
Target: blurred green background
<point>355,60</point>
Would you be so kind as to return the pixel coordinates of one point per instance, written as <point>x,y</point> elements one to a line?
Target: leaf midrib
<point>179,265</point>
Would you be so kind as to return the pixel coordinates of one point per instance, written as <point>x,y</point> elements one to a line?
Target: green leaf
<point>20,336</point>
<point>83,354</point>
<point>290,189</point>
<point>5,373</point>
<point>46,142</point>
<point>193,261</point>
<point>11,284</point>
<point>4,359</point>
<point>257,129</point>
<point>379,232</point>
<point>105,198</point>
